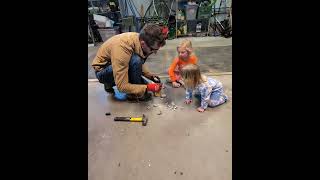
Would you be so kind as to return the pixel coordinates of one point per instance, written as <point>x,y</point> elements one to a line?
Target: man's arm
<point>120,57</point>
<point>146,72</point>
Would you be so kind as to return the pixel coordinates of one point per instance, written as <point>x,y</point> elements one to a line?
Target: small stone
<point>226,150</point>
<point>155,105</point>
<point>119,164</point>
<point>181,173</point>
<point>159,113</point>
<point>175,172</point>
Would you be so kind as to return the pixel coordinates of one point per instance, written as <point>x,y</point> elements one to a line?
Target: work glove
<point>154,87</point>
<point>155,79</point>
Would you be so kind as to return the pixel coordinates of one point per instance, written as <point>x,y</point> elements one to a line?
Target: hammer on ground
<point>142,119</point>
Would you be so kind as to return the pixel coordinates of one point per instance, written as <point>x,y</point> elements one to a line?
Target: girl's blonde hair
<point>186,43</point>
<point>191,75</point>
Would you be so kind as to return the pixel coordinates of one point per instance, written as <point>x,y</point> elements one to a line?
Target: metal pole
<point>92,35</point>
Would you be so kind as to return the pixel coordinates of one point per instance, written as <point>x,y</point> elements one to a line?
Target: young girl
<point>185,57</point>
<point>209,90</point>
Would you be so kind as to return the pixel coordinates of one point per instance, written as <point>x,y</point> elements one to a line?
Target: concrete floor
<point>214,53</point>
<point>178,144</point>
<point>183,140</point>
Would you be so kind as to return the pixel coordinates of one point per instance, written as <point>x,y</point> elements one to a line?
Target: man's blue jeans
<point>105,76</point>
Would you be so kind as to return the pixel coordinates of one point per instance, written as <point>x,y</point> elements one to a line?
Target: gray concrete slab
<point>178,144</point>
<point>211,59</point>
<point>214,53</point>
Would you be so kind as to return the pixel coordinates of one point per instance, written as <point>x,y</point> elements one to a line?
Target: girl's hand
<point>181,82</point>
<point>200,109</point>
<point>188,101</point>
<point>175,84</point>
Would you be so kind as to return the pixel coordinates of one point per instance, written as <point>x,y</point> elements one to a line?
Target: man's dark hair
<point>152,33</point>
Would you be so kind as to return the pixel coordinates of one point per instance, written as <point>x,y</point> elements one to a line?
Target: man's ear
<point>143,43</point>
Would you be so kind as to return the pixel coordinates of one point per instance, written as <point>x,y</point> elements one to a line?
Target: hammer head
<point>144,120</point>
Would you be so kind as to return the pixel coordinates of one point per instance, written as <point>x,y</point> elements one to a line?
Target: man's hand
<point>175,84</point>
<point>155,79</point>
<point>188,101</point>
<point>200,109</point>
<point>154,87</point>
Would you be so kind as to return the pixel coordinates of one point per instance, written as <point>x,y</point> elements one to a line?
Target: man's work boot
<point>108,89</point>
